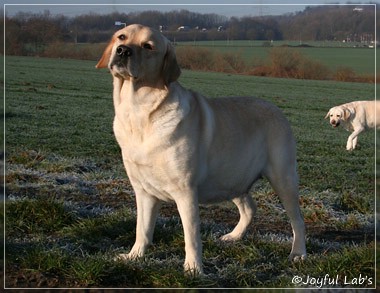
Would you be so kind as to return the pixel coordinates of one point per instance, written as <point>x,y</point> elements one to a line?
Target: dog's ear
<point>103,62</point>
<point>327,115</point>
<point>346,114</point>
<point>171,70</point>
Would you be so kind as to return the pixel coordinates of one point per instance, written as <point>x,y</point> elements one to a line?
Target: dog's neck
<point>144,104</point>
<point>137,93</point>
<point>144,108</point>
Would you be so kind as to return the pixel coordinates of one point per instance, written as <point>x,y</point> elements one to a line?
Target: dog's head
<point>141,54</point>
<point>337,115</point>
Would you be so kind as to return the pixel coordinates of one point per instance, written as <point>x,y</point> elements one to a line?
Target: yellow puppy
<point>355,117</point>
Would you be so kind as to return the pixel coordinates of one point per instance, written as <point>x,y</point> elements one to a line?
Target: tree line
<point>28,33</point>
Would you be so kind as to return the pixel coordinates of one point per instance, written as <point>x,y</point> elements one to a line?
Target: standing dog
<point>355,117</point>
<point>179,146</point>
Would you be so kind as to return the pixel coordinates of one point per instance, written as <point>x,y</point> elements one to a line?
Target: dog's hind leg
<point>281,172</point>
<point>284,181</point>
<point>247,208</point>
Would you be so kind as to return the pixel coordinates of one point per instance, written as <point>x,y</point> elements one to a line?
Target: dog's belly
<point>211,192</point>
<point>212,181</point>
<point>230,180</point>
<point>167,187</point>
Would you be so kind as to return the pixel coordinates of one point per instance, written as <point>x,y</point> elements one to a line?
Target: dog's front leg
<point>147,211</point>
<point>188,208</point>
<point>353,139</point>
<point>354,142</point>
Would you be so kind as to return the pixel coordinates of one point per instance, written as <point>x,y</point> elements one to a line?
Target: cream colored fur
<point>355,117</point>
<point>179,146</point>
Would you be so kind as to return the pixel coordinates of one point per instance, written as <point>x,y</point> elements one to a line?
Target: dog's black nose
<point>123,51</point>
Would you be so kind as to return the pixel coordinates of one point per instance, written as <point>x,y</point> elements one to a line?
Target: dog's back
<point>366,113</point>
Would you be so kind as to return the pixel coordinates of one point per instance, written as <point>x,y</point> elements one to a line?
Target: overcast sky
<point>223,7</point>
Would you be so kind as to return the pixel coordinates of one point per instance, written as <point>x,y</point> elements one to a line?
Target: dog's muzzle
<point>123,51</point>
<point>335,123</point>
<point>122,64</point>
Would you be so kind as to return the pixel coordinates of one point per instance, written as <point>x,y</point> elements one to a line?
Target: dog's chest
<point>154,159</point>
<point>139,147</point>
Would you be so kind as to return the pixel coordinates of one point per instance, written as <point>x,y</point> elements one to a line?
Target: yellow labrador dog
<point>355,117</point>
<point>179,146</point>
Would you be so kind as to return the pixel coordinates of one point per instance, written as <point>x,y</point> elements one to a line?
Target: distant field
<point>361,60</point>
<point>71,208</point>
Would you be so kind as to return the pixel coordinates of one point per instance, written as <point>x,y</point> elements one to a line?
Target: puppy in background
<point>355,117</point>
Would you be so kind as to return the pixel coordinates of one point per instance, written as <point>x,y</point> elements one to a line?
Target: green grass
<point>36,216</point>
<point>71,208</point>
<point>361,60</point>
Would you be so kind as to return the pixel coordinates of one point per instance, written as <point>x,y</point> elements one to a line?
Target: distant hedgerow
<point>282,62</point>
<point>194,58</point>
<point>289,63</point>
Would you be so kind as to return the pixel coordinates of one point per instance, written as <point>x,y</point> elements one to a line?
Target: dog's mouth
<point>123,69</point>
<point>335,125</point>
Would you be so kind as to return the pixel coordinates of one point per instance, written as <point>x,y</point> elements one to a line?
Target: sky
<point>228,8</point>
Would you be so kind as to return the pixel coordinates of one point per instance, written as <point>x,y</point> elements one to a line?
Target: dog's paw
<point>193,269</point>
<point>124,257</point>
<point>349,147</point>
<point>227,238</point>
<point>230,237</point>
<point>297,257</point>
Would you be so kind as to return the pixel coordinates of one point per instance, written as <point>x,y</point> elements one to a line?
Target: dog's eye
<point>338,116</point>
<point>147,46</point>
<point>121,37</point>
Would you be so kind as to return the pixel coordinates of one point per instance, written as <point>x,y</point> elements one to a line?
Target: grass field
<point>71,209</point>
<point>361,60</point>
